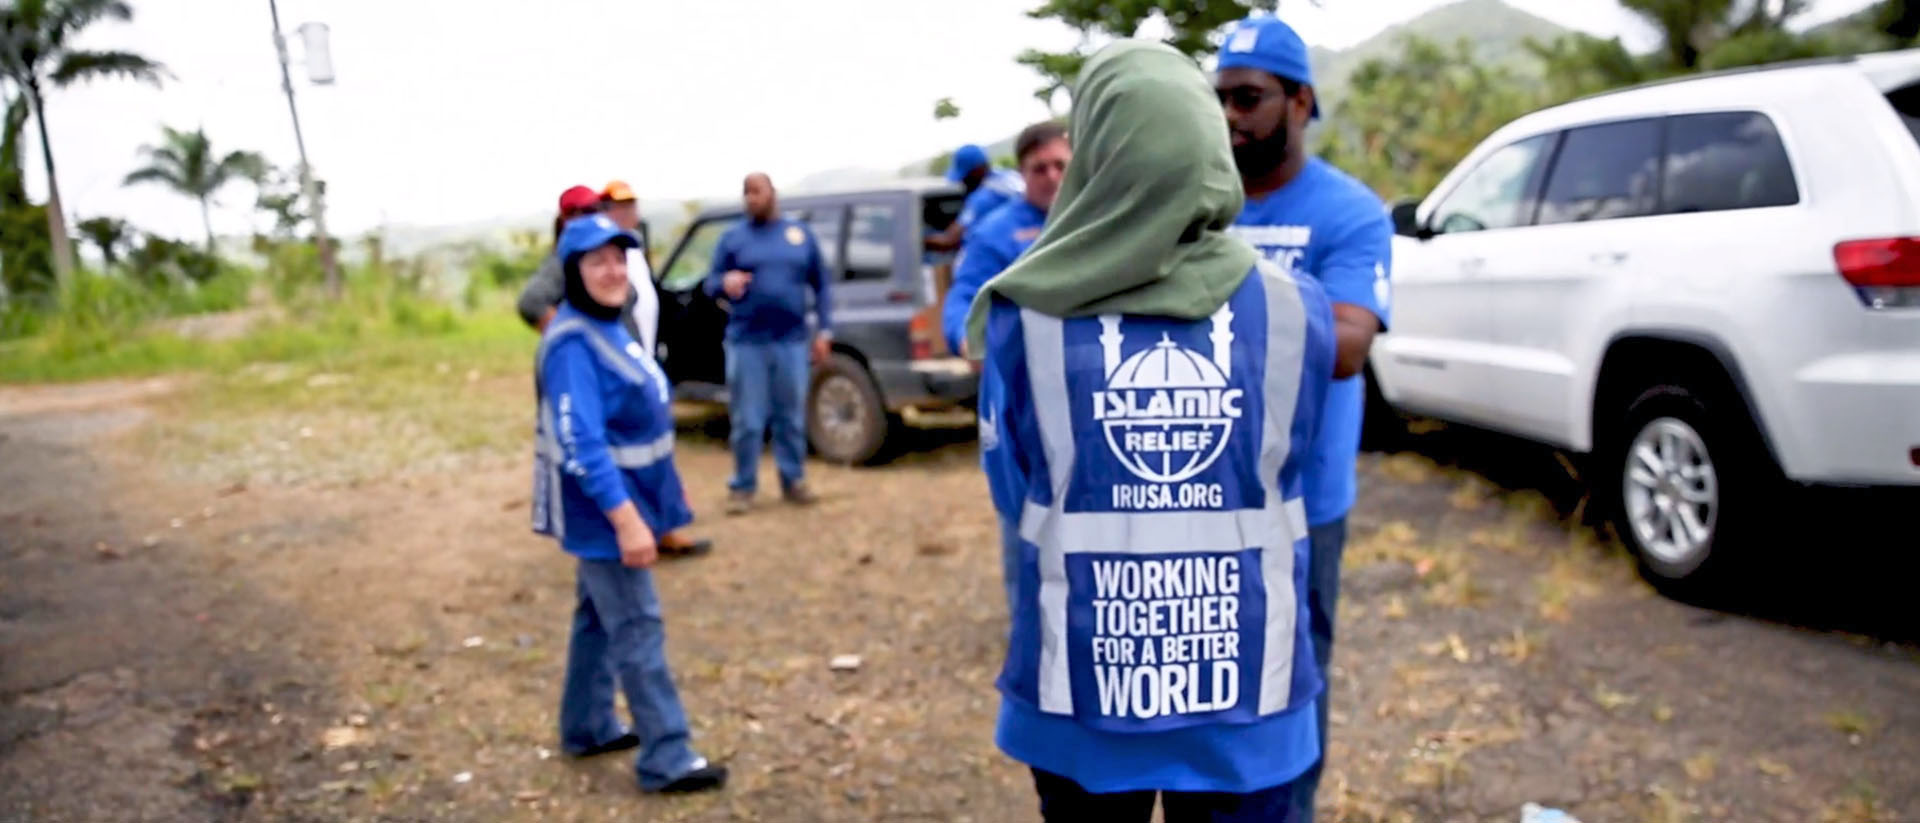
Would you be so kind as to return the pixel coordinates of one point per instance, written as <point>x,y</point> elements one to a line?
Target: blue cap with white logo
<point>1267,44</point>
<point>584,234</point>
<point>965,160</point>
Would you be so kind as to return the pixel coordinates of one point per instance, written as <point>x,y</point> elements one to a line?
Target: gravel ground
<point>186,639</point>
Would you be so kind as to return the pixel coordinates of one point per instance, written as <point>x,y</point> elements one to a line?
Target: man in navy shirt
<point>1314,221</point>
<point>765,266</point>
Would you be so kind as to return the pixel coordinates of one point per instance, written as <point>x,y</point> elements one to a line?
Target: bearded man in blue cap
<point>987,188</point>
<point>1315,222</point>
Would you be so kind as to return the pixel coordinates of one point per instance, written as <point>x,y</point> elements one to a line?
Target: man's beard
<point>1258,157</point>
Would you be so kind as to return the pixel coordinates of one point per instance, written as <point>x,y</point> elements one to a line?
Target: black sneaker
<point>704,777</point>
<point>618,744</point>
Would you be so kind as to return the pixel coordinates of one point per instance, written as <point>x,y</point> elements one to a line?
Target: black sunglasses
<point>1245,98</point>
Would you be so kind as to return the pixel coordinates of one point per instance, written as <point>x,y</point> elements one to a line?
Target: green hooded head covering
<point>1139,226</point>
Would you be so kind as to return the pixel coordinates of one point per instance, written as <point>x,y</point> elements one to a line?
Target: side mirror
<point>1406,223</point>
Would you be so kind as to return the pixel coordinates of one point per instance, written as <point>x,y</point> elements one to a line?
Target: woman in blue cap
<point>604,487</point>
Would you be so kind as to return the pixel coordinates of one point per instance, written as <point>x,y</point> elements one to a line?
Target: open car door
<point>692,324</point>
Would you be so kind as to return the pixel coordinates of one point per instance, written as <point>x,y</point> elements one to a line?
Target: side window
<point>689,267</point>
<point>1604,172</point>
<point>827,223</point>
<point>1498,193</point>
<point>1733,160</point>
<point>870,243</point>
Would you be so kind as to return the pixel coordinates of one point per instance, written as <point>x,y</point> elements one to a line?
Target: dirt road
<point>186,643</point>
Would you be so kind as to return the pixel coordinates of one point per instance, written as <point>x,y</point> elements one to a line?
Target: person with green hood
<point>1148,391</point>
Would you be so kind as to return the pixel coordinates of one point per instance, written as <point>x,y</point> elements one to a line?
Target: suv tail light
<point>1886,272</point>
<point>923,333</point>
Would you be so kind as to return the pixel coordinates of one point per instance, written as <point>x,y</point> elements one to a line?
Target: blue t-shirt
<point>1328,226</point>
<point>1000,188</point>
<point>785,261</point>
<point>992,246</point>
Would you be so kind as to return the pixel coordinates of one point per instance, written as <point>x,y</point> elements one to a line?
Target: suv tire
<point>1688,481</point>
<point>846,421</point>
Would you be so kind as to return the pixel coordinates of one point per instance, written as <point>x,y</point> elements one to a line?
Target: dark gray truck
<point>890,365</point>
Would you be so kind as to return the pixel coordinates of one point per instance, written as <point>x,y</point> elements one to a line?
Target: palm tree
<point>185,162</point>
<point>111,234</point>
<point>13,181</point>
<point>36,52</point>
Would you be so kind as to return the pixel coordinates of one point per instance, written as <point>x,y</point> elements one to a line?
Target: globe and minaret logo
<point>1168,410</point>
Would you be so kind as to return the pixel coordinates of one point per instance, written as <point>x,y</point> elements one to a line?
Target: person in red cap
<point>542,296</point>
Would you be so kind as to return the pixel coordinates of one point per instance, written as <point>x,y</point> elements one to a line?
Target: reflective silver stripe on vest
<point>645,454</point>
<point>1046,364</point>
<point>637,456</point>
<point>549,441</point>
<point>1172,532</point>
<point>1286,343</point>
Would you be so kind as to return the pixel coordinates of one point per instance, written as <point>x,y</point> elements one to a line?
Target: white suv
<point>1712,285</point>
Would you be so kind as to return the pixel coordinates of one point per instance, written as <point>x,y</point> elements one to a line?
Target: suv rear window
<point>1906,101</point>
<point>1604,172</point>
<point>1723,161</point>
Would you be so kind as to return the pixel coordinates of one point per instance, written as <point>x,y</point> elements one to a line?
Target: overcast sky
<point>454,111</point>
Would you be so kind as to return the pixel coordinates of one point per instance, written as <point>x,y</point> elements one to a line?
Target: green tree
<point>1193,28</point>
<point>281,196</point>
<point>185,162</point>
<point>13,182</point>
<point>1576,65</point>
<point>945,109</point>
<point>109,234</point>
<point>1404,122</point>
<point>1899,20</point>
<point>37,54</point>
<point>1695,35</point>
<point>26,267</point>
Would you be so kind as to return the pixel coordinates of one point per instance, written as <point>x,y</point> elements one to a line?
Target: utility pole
<point>307,185</point>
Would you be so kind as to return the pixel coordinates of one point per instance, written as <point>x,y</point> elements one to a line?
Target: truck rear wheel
<point>846,419</point>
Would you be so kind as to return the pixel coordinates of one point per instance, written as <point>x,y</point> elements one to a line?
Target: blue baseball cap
<point>965,160</point>
<point>584,234</point>
<point>1267,44</point>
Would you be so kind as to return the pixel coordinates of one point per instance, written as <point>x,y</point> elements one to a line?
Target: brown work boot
<point>799,495</point>
<point>678,544</point>
<point>739,501</point>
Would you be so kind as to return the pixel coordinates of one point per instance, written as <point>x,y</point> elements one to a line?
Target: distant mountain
<point>1497,31</point>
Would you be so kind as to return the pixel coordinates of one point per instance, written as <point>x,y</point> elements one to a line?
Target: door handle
<point>1609,258</point>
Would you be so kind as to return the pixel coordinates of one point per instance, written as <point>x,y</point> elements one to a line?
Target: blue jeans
<point>1326,542</point>
<point>1062,800</point>
<point>767,389</point>
<point>618,636</point>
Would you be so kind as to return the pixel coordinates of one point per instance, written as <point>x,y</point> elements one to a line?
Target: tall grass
<point>107,326</point>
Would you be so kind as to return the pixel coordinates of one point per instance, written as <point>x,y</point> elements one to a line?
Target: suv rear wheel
<point>1687,477</point>
<point>846,420</point>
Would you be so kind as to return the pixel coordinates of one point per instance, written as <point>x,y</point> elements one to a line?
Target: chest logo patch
<point>1168,410</point>
<point>795,236</point>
